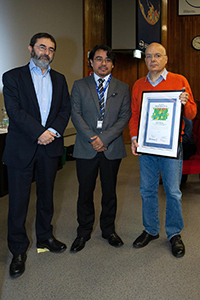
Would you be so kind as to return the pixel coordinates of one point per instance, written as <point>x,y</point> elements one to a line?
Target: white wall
<point>21,19</point>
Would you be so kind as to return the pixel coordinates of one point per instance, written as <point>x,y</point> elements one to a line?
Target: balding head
<point>157,47</point>
<point>155,58</point>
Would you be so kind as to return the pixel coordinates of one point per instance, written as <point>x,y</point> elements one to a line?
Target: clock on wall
<point>196,42</point>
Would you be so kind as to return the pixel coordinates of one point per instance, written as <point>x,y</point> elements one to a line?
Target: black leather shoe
<point>114,239</point>
<point>144,239</point>
<point>78,244</point>
<point>17,266</point>
<point>178,248</point>
<point>52,245</point>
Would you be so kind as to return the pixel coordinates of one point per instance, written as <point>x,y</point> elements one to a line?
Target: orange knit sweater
<point>173,82</point>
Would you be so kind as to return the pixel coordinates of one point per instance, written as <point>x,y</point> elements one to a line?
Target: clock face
<point>196,43</point>
<point>193,3</point>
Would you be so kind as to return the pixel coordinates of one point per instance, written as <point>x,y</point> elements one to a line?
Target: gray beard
<point>41,63</point>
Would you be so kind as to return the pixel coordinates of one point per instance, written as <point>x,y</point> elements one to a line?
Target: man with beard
<point>100,112</point>
<point>38,105</point>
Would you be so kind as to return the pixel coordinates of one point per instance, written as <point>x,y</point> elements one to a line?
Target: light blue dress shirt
<point>160,78</point>
<point>43,88</point>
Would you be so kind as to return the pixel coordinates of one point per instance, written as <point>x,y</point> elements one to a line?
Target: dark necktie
<point>101,101</point>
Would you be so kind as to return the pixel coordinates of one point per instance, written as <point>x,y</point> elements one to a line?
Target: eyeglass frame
<point>157,56</point>
<point>44,48</point>
<point>100,59</point>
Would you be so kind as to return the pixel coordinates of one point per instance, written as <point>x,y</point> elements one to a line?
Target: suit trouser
<point>87,172</point>
<point>44,169</point>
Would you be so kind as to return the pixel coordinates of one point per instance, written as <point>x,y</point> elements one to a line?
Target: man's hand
<point>46,138</point>
<point>134,146</point>
<point>184,96</point>
<point>97,144</point>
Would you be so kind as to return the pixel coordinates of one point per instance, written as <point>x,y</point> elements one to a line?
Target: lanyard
<point>106,86</point>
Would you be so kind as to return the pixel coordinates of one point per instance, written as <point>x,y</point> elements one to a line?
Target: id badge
<point>99,123</point>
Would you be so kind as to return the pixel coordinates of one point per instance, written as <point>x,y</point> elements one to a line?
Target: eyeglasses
<point>157,56</point>
<point>44,48</point>
<point>100,59</point>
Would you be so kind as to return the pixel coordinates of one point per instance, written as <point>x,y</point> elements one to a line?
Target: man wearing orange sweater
<point>159,79</point>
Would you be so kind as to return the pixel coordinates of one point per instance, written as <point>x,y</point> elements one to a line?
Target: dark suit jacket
<point>86,112</point>
<point>24,116</point>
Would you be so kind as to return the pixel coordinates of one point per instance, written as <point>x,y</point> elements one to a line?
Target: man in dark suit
<point>38,105</point>
<point>100,112</point>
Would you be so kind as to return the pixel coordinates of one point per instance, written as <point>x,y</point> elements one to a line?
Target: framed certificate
<point>160,123</point>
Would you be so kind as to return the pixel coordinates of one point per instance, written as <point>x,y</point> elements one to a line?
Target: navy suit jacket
<point>86,112</point>
<point>25,119</point>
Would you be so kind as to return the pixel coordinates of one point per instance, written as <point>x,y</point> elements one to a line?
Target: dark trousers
<point>44,169</point>
<point>87,172</point>
<point>188,151</point>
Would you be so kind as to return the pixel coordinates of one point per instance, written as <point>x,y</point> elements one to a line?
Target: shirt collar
<point>96,77</point>
<point>163,75</point>
<point>33,66</point>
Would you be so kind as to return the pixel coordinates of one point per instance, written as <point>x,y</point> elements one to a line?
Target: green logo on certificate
<point>160,114</point>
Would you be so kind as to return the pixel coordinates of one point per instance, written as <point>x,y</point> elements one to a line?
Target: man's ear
<point>30,48</point>
<point>91,63</point>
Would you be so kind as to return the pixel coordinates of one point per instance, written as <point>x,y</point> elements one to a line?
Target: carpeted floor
<point>100,271</point>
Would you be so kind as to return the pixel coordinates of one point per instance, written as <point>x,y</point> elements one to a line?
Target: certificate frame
<point>160,123</point>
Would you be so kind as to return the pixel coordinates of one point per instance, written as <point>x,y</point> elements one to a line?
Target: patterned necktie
<point>101,102</point>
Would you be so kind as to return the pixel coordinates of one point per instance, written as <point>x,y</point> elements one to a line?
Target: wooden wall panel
<point>183,59</point>
<point>126,69</point>
<point>94,27</point>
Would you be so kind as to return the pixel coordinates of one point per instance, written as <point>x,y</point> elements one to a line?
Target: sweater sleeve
<point>190,109</point>
<point>135,109</point>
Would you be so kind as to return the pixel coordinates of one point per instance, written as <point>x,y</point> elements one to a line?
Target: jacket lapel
<point>92,86</point>
<point>54,84</point>
<point>54,89</point>
<point>26,76</point>
<point>112,90</point>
